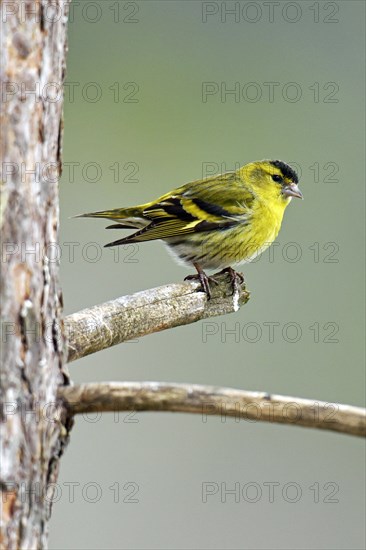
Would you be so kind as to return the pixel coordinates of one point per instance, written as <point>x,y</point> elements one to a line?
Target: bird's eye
<point>277,178</point>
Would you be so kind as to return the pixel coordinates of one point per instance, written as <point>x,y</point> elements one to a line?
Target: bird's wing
<point>203,205</point>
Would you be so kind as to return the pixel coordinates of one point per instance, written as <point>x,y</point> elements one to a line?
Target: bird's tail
<point>118,214</point>
<point>126,218</point>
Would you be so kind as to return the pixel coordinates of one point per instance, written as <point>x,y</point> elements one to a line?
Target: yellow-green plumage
<point>215,222</point>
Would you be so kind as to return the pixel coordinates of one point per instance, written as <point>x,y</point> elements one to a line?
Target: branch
<point>129,317</point>
<point>210,400</point>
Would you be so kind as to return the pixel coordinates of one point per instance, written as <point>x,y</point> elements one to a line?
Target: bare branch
<point>210,400</point>
<point>129,317</point>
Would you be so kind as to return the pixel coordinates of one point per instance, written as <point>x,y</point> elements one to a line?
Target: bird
<point>215,222</point>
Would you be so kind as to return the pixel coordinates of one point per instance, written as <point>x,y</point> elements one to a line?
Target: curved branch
<point>143,313</point>
<point>210,400</point>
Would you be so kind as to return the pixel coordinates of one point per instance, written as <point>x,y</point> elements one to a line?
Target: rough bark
<point>153,310</point>
<point>33,427</point>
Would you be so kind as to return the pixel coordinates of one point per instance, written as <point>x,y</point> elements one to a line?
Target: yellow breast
<point>262,230</point>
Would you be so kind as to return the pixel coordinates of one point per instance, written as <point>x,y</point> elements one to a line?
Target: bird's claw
<point>236,278</point>
<point>205,281</point>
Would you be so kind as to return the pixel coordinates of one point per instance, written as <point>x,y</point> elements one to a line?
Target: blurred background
<point>158,94</point>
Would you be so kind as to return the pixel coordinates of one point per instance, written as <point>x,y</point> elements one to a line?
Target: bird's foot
<point>236,278</point>
<point>204,279</point>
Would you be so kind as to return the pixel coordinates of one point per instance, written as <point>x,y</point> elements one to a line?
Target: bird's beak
<point>292,190</point>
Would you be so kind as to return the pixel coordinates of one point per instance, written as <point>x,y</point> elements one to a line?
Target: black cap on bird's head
<point>289,179</point>
<point>287,171</point>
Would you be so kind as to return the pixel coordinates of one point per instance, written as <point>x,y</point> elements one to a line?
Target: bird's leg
<point>204,279</point>
<point>236,279</point>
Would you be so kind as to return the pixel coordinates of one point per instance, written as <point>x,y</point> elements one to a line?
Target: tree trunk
<point>34,428</point>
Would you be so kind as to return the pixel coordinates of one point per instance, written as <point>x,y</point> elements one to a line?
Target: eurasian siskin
<point>215,222</point>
